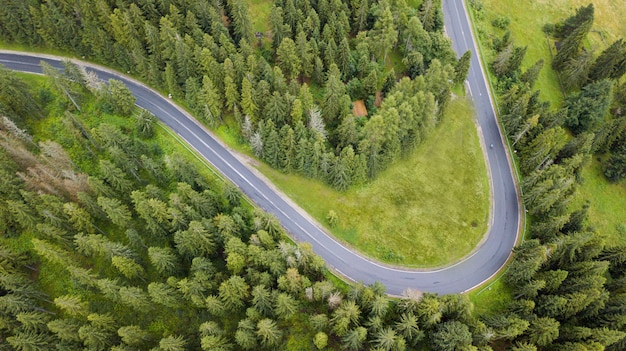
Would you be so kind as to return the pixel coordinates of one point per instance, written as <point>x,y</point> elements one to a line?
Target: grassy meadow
<point>427,210</point>
<point>607,213</point>
<point>259,11</point>
<point>527,18</point>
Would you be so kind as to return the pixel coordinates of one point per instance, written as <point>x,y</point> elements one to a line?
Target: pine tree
<point>333,101</point>
<point>134,297</point>
<point>241,20</point>
<point>233,292</point>
<point>231,93</point>
<point>348,313</point>
<point>542,149</point>
<point>344,56</point>
<point>121,98</point>
<point>318,70</point>
<point>524,346</point>
<point>543,331</point>
<point>305,53</point>
<point>607,65</point>
<point>437,80</point>
<point>288,59</point>
<point>279,29</point>
<point>115,177</point>
<point>195,241</point>
<point>65,329</point>
<point>172,343</point>
<point>583,14</point>
<point>51,252</point>
<point>133,335</point>
<point>248,105</point>
<point>385,35</point>
<point>163,259</point>
<point>371,144</point>
<point>528,259</point>
<point>109,288</point>
<point>275,109</point>
<point>210,102</point>
<point>408,327</point>
<point>31,340</point>
<point>532,73</point>
<point>163,294</point>
<point>428,14</point>
<point>117,212</point>
<point>152,211</point>
<point>587,109</point>
<point>279,83</point>
<point>127,266</point>
<point>354,339</point>
<point>268,333</point>
<point>285,306</point>
<point>97,334</point>
<point>462,67</point>
<point>297,112</point>
<point>450,336</point>
<point>171,81</point>
<point>575,71</point>
<point>287,148</point>
<point>145,123</point>
<point>570,46</point>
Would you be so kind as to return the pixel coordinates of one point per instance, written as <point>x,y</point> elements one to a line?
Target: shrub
<point>332,218</point>
<point>501,22</point>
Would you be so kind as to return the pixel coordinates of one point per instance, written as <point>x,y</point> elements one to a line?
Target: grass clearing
<point>259,11</point>
<point>527,18</point>
<point>394,60</point>
<point>427,210</point>
<point>607,213</point>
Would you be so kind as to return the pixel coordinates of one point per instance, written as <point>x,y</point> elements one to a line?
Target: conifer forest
<point>113,239</point>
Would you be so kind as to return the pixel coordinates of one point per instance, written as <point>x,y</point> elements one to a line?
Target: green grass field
<point>428,210</point>
<point>527,18</point>
<point>259,11</point>
<point>607,213</point>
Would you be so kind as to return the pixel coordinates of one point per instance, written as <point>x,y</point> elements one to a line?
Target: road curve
<point>483,263</point>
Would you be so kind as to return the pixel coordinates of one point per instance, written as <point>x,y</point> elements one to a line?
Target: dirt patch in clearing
<point>359,109</point>
<point>379,99</point>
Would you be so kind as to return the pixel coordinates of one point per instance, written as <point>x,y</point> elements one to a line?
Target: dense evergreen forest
<point>567,284</point>
<point>111,242</point>
<point>292,99</point>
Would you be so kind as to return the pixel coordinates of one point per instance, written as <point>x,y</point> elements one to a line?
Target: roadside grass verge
<point>491,299</point>
<point>43,50</point>
<point>427,210</point>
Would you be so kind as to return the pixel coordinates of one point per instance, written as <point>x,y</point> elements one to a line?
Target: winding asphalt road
<point>482,264</point>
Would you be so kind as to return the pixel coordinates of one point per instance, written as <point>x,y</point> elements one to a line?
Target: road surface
<point>482,264</point>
